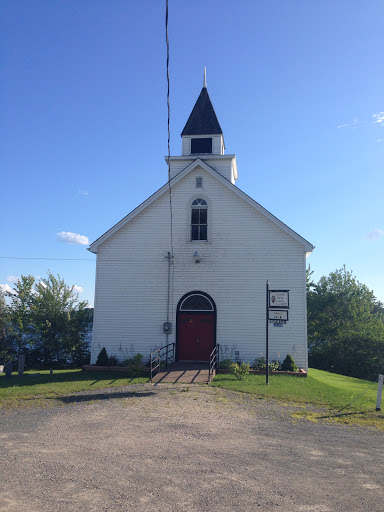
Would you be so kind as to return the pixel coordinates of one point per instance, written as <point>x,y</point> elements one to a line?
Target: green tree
<point>61,321</point>
<point>5,349</point>
<point>309,282</point>
<point>345,326</point>
<point>77,342</point>
<point>21,325</point>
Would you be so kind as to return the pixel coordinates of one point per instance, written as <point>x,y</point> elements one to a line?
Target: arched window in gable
<point>199,220</point>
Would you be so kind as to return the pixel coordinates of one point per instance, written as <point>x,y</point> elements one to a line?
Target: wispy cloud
<point>82,192</point>
<point>72,238</point>
<point>13,279</point>
<point>378,118</point>
<point>6,288</point>
<point>353,124</point>
<point>375,234</point>
<point>78,289</point>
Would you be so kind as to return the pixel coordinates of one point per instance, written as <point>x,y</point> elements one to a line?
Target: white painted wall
<point>224,165</point>
<point>244,250</point>
<point>179,164</point>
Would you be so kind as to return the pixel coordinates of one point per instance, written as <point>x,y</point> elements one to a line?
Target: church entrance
<point>196,327</point>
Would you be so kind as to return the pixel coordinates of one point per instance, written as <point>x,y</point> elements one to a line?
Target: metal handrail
<point>213,361</point>
<point>157,357</point>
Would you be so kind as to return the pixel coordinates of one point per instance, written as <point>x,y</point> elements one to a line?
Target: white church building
<point>205,285</point>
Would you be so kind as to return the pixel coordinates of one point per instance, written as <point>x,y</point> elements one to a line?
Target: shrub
<point>102,358</point>
<point>260,364</point>
<point>134,365</point>
<point>113,361</point>
<point>225,364</point>
<point>289,364</point>
<point>240,371</point>
<point>274,365</point>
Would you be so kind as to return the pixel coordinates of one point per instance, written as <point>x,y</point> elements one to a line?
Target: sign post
<point>276,305</point>
<point>379,392</point>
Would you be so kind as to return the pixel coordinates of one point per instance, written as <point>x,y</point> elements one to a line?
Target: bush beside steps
<point>287,367</point>
<point>132,365</point>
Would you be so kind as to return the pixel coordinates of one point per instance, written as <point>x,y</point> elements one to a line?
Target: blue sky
<point>297,87</point>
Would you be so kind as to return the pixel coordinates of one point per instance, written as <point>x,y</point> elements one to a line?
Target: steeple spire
<point>203,120</point>
<point>205,77</point>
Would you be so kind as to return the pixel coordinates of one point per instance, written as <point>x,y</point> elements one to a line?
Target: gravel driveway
<point>172,447</point>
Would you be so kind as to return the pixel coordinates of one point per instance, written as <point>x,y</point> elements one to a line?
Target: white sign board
<point>274,314</point>
<point>278,299</point>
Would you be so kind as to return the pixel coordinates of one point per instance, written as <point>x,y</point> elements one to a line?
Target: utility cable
<point>49,259</point>
<point>169,130</point>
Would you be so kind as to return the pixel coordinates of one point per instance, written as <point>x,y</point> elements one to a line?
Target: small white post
<point>379,393</point>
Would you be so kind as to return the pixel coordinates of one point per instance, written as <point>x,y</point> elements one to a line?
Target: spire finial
<point>205,77</point>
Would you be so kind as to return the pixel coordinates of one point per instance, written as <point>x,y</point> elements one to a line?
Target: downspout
<point>167,325</point>
<point>169,288</point>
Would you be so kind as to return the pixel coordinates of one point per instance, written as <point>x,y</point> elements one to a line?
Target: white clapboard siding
<point>244,250</point>
<point>177,166</point>
<point>185,145</point>
<point>217,145</point>
<point>224,165</point>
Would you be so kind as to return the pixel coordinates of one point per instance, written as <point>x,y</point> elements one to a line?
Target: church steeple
<point>203,141</point>
<point>202,133</point>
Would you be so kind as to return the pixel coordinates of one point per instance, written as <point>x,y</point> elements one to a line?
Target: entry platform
<point>184,373</point>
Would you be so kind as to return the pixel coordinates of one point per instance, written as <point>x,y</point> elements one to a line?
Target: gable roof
<point>203,119</point>
<point>199,163</point>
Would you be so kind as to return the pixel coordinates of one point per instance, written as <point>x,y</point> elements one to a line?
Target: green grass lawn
<point>320,388</point>
<point>62,382</point>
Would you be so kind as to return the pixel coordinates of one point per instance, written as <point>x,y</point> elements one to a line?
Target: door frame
<point>194,312</point>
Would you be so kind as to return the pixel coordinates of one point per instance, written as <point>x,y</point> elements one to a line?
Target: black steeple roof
<point>203,120</point>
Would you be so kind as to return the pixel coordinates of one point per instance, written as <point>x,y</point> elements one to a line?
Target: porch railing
<point>213,361</point>
<point>162,357</point>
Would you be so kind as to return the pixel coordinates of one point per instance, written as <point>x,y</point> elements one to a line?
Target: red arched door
<point>196,327</point>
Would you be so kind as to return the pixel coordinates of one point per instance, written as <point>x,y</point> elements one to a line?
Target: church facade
<point>207,284</point>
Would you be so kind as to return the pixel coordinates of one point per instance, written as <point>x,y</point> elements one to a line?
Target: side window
<point>199,220</point>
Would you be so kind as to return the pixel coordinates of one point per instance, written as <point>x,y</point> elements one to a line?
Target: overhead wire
<point>169,255</point>
<point>169,130</point>
<point>49,259</point>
